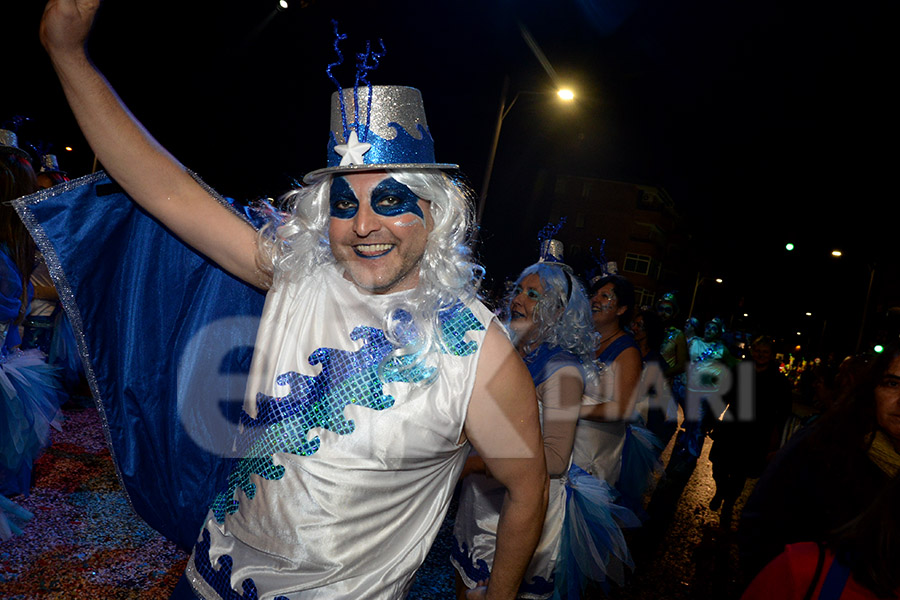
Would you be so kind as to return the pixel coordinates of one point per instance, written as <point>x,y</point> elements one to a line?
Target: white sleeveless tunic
<point>343,493</point>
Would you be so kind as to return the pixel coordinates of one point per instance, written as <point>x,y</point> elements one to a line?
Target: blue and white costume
<point>581,539</point>
<point>475,529</point>
<point>29,402</point>
<point>346,479</point>
<point>339,481</point>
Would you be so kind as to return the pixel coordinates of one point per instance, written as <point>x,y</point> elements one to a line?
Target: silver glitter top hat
<point>552,252</point>
<point>9,142</point>
<point>50,164</point>
<point>378,127</point>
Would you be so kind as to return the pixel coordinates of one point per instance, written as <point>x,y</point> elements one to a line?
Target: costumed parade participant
<point>709,363</point>
<point>551,328</point>
<point>673,349</point>
<point>29,392</point>
<point>373,361</point>
<point>612,441</point>
<point>656,405</point>
<point>46,326</point>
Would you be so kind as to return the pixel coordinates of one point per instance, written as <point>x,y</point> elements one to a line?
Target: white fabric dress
<point>346,479</point>
<point>598,445</point>
<point>481,498</point>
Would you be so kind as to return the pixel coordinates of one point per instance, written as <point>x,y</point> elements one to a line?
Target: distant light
<point>282,5</point>
<point>566,94</point>
<point>836,253</point>
<point>718,280</point>
<point>68,148</point>
<point>798,333</point>
<point>878,348</point>
<point>797,348</point>
<point>746,315</point>
<point>789,246</point>
<point>808,314</point>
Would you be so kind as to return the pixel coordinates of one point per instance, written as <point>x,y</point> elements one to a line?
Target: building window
<point>643,297</point>
<point>637,263</point>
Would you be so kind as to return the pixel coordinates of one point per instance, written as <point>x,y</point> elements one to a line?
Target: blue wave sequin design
<point>480,571</point>
<point>219,578</point>
<point>459,552</point>
<point>403,148</point>
<point>282,424</point>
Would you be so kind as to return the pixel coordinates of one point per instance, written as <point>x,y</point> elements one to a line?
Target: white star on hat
<point>352,152</point>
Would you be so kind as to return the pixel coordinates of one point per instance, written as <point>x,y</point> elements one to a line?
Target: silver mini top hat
<point>9,142</point>
<point>378,127</point>
<point>50,164</point>
<point>552,252</point>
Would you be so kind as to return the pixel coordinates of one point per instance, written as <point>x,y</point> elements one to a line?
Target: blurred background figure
<point>657,406</point>
<point>47,326</point>
<point>743,446</point>
<point>830,472</point>
<point>691,329</point>
<point>29,392</point>
<point>709,361</point>
<point>858,560</point>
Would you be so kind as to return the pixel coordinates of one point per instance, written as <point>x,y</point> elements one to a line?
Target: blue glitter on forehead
<point>283,423</point>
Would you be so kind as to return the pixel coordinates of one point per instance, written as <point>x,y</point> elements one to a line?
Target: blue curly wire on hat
<point>602,266</point>
<point>363,67</point>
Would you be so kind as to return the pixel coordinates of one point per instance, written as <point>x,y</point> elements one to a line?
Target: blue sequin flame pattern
<point>282,424</point>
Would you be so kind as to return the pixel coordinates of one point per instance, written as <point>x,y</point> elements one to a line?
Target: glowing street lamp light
<point>719,280</point>
<point>836,253</point>
<point>565,94</point>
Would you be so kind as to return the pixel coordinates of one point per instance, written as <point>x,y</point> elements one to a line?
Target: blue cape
<point>166,338</point>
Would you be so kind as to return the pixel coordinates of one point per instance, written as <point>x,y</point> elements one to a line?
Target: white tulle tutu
<point>30,395</point>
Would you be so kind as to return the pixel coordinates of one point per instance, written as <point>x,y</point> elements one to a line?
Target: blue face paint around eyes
<point>391,198</point>
<point>531,293</point>
<point>342,200</point>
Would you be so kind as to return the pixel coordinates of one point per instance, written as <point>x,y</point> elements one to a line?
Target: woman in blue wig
<point>550,325</point>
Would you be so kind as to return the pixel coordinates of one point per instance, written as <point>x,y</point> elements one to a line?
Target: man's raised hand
<point>66,24</point>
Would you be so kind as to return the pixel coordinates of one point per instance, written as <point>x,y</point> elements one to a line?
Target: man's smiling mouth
<point>372,250</point>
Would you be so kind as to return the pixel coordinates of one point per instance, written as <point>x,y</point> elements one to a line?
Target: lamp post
<point>565,94</point>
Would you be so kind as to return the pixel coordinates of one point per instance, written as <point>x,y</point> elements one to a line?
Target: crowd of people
<point>382,382</point>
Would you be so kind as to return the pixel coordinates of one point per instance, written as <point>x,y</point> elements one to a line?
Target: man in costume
<point>373,364</point>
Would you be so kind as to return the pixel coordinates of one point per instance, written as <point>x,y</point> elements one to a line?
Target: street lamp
<point>566,95</point>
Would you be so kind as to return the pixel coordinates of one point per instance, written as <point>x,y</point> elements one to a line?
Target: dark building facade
<point>639,222</point>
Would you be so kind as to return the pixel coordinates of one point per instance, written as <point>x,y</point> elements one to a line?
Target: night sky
<point>766,121</point>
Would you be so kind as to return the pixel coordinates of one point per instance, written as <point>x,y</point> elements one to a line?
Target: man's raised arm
<point>504,427</point>
<point>144,169</point>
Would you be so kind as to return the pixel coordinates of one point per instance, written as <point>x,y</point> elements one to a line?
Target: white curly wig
<point>563,313</point>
